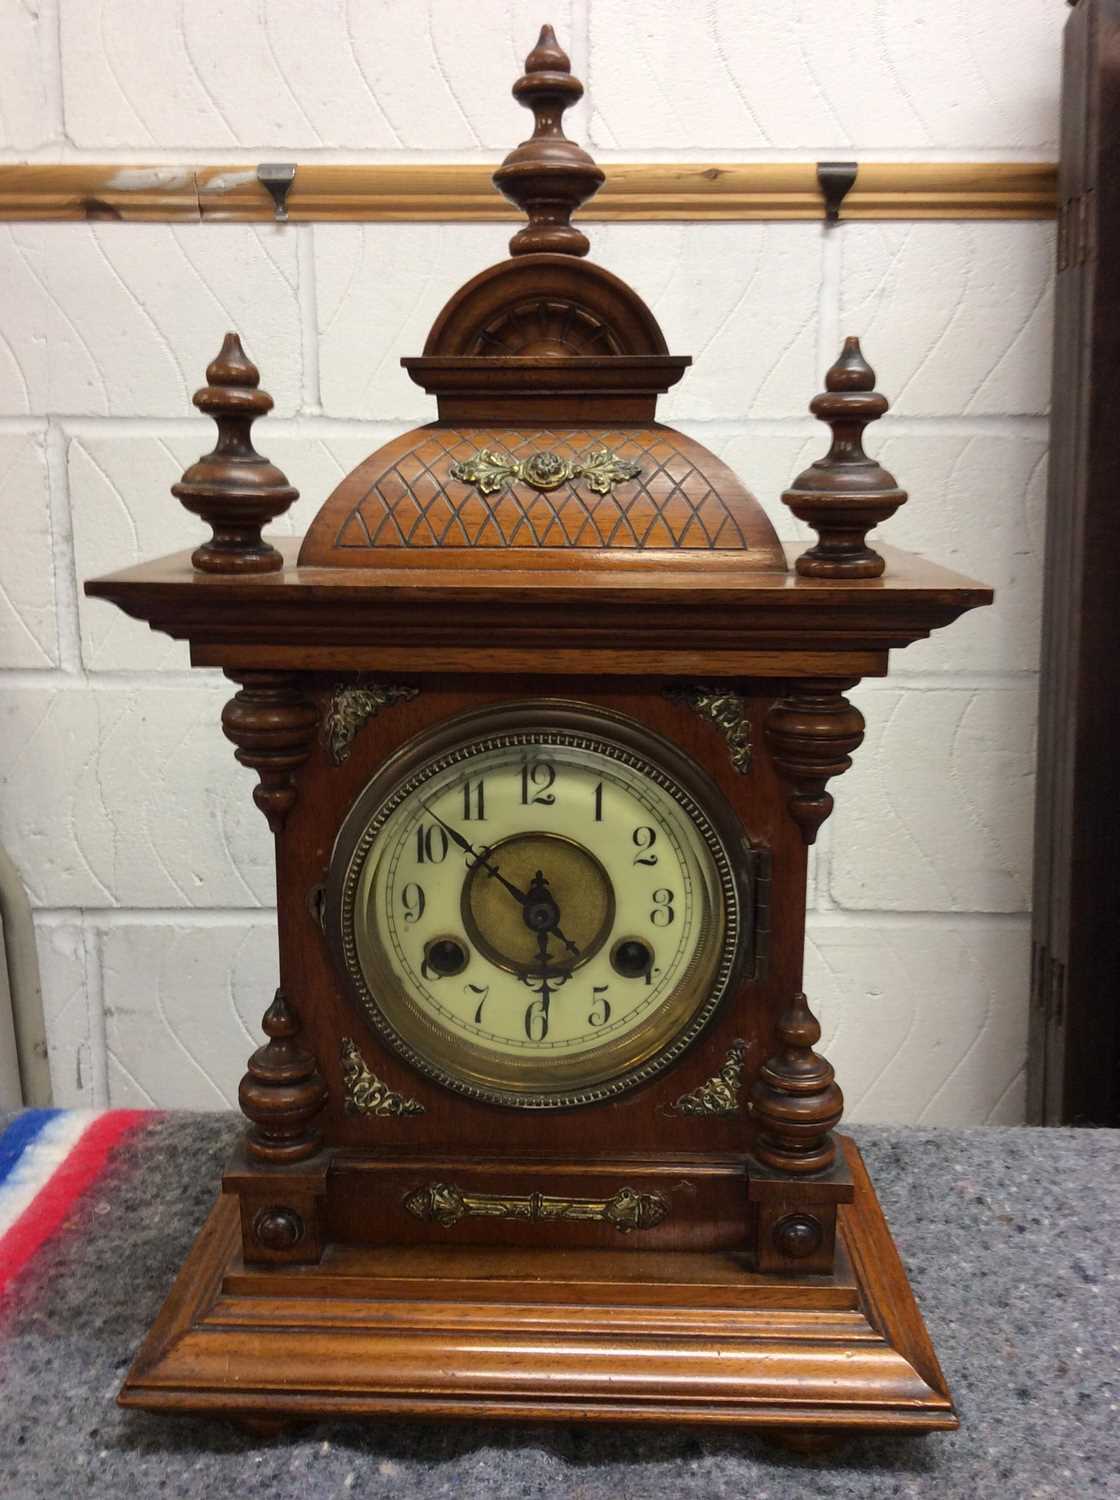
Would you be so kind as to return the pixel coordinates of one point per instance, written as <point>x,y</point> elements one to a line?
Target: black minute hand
<point>478,857</point>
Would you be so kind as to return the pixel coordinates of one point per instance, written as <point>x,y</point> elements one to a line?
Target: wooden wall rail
<point>424,191</point>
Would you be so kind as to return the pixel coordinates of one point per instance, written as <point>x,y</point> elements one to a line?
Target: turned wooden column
<point>274,724</point>
<point>796,1103</point>
<point>845,494</point>
<point>811,732</point>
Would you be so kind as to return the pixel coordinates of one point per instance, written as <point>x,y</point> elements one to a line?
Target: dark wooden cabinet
<point>1074,1073</point>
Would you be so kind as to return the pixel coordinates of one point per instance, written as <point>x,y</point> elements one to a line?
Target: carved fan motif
<point>546,326</point>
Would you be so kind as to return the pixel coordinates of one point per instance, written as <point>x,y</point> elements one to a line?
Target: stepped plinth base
<point>572,1335</point>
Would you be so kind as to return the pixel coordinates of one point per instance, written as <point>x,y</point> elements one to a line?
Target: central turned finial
<point>548,176</point>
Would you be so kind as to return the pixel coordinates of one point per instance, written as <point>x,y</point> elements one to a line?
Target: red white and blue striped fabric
<point>48,1159</point>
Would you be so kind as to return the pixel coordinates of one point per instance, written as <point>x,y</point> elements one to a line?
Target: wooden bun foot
<point>808,1441</point>
<point>261,1425</point>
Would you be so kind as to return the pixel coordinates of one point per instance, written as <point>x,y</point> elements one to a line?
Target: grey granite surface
<point>1010,1238</point>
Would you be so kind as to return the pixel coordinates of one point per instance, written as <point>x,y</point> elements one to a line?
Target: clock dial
<point>540,916</point>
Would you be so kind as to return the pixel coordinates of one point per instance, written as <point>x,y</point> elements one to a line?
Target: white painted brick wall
<point>30,114</point>
<point>28,621</point>
<point>119,319</point>
<point>413,76</point>
<point>959,310</point>
<point>687,75</point>
<point>148,865</point>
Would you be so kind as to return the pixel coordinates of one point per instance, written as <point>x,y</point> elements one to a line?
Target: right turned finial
<point>843,495</point>
<point>548,176</point>
<point>796,1102</point>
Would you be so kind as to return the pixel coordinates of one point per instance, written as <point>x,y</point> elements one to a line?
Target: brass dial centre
<point>568,903</point>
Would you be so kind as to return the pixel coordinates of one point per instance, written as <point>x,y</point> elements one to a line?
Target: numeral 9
<point>412,901</point>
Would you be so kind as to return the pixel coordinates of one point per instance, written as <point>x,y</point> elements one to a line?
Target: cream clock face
<point>541,915</point>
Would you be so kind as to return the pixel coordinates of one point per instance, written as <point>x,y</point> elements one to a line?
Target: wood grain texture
<point>796,1102</point>
<point>845,494</point>
<point>623,617</point>
<point>634,1124</point>
<point>281,1092</point>
<point>546,305</point>
<point>811,733</point>
<point>548,176</point>
<point>273,723</point>
<point>634,192</point>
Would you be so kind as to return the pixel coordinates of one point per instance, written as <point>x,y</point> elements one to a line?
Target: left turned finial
<point>234,489</point>
<point>548,176</point>
<point>843,495</point>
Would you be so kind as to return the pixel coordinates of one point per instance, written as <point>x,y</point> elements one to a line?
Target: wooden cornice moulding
<point>419,191</point>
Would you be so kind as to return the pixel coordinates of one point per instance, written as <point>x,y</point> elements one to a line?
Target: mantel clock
<point>543,724</point>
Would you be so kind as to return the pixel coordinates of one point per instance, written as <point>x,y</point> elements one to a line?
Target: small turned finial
<point>282,1091</point>
<point>796,1102</point>
<point>843,495</point>
<point>548,176</point>
<point>234,489</point>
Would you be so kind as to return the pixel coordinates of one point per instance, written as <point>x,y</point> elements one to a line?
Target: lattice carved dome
<point>474,495</point>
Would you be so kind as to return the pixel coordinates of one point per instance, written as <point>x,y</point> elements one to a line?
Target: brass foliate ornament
<point>490,472</point>
<point>365,1093</point>
<point>724,708</point>
<point>718,1095</point>
<point>626,1210</point>
<point>351,707</point>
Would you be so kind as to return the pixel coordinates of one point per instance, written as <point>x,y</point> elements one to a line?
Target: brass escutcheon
<point>444,1204</point>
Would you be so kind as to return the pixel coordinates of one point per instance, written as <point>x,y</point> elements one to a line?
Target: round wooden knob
<point>278,1228</point>
<point>797,1235</point>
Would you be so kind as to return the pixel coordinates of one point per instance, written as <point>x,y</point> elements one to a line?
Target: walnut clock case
<point>544,727</point>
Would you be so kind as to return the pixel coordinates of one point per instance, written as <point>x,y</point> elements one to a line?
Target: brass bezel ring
<point>529,725</point>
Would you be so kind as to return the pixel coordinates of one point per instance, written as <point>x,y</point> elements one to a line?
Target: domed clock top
<point>546,369</point>
<point>546,460</point>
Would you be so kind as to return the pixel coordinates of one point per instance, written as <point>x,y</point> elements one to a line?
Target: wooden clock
<point>543,725</point>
